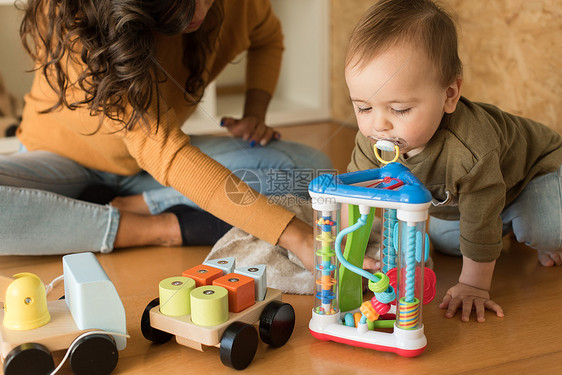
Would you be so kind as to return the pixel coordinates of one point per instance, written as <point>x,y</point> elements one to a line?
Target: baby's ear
<point>453,92</point>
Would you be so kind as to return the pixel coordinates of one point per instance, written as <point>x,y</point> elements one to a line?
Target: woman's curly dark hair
<point>114,41</point>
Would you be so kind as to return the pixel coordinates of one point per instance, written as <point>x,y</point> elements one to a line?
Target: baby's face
<point>398,95</point>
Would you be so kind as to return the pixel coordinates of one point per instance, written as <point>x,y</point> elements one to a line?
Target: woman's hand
<point>469,298</point>
<point>298,237</point>
<point>251,129</point>
<point>371,264</point>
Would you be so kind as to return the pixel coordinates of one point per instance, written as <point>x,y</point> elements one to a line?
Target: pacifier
<point>388,144</point>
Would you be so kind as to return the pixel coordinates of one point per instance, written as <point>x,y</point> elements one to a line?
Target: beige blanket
<point>284,270</point>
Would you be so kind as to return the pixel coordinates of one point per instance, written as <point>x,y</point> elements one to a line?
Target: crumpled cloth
<point>284,271</point>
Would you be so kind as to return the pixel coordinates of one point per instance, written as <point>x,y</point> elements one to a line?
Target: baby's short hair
<point>421,22</point>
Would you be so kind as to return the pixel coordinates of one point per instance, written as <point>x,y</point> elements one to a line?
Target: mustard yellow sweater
<point>167,154</point>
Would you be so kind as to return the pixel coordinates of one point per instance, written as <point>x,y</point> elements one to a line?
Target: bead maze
<point>89,321</point>
<point>215,304</point>
<point>402,286</point>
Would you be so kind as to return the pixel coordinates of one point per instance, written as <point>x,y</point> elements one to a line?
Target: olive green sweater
<point>249,25</point>
<point>478,161</point>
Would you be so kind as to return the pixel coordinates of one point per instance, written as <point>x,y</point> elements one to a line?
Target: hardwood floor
<point>527,341</point>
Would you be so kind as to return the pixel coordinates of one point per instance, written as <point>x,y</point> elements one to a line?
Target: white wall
<point>13,59</point>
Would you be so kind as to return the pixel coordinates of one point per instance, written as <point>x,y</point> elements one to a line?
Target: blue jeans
<point>41,215</point>
<point>280,168</point>
<point>535,218</point>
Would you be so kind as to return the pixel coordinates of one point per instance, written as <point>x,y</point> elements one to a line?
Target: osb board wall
<point>511,51</point>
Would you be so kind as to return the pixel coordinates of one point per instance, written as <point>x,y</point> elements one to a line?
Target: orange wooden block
<point>202,274</point>
<point>241,292</point>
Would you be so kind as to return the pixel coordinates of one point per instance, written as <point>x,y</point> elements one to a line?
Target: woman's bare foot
<point>550,258</point>
<point>133,203</point>
<point>143,230</point>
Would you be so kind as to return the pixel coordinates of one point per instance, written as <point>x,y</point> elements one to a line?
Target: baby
<point>489,172</point>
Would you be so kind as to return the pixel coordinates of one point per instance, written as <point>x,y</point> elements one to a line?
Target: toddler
<point>489,172</point>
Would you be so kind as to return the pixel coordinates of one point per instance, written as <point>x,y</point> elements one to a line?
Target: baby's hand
<point>469,298</point>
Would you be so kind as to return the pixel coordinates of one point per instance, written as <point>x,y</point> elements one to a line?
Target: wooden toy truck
<point>235,336</point>
<point>91,304</point>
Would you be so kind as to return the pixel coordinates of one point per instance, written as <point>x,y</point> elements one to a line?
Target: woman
<point>114,83</point>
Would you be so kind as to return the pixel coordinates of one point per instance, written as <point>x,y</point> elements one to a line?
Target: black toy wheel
<point>239,344</point>
<point>94,354</point>
<point>149,333</point>
<point>276,323</point>
<point>29,358</point>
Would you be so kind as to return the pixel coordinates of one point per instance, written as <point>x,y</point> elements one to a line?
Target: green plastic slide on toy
<point>350,283</point>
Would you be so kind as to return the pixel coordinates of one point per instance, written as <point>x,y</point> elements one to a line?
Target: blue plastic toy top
<point>391,183</point>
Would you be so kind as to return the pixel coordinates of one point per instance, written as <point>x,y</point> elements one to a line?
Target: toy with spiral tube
<point>388,250</point>
<point>403,285</point>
